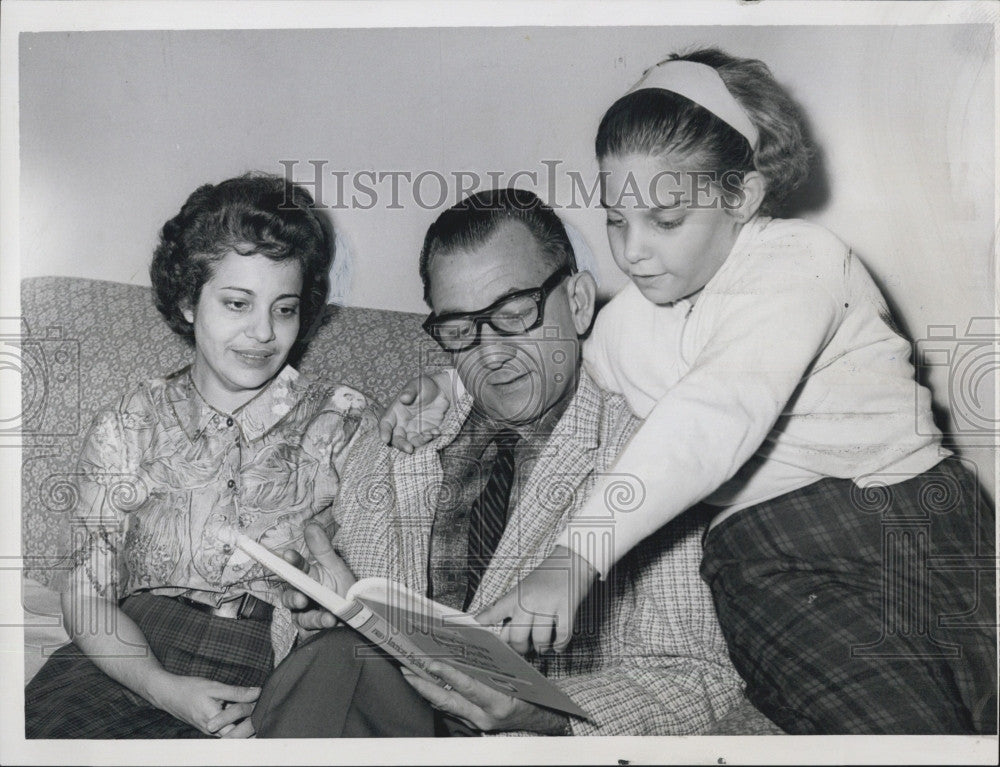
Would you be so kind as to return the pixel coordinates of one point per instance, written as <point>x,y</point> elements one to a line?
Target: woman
<point>171,628</point>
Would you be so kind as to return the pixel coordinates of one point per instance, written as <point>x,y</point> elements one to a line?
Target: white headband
<point>703,85</point>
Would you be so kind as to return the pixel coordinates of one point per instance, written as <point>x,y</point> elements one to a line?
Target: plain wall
<point>117,128</point>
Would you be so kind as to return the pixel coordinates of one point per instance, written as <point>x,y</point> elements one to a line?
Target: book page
<point>416,630</point>
<point>355,614</point>
<point>459,639</point>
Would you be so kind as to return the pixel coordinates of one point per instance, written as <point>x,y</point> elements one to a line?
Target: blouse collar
<point>255,417</point>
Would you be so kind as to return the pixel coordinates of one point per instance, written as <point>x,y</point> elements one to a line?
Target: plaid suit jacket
<point>648,657</point>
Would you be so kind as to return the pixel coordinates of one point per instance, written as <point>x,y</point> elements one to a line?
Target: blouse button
<point>231,483</point>
<point>227,548</point>
<point>229,422</point>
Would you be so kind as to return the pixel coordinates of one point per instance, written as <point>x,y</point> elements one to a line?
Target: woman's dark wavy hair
<point>254,214</point>
<point>654,122</point>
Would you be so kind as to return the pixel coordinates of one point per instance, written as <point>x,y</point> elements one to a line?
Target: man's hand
<point>539,611</point>
<point>329,569</point>
<point>414,417</point>
<point>481,707</point>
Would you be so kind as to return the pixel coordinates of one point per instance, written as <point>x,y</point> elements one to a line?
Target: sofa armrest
<point>43,628</point>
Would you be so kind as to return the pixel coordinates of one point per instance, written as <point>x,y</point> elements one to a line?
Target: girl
<point>774,387</point>
<point>173,633</point>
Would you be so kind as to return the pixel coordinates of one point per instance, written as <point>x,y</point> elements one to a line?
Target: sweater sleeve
<point>766,332</point>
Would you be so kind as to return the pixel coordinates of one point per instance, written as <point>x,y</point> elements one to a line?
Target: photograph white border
<point>20,17</point>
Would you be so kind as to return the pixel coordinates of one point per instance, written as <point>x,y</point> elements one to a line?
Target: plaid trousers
<point>851,611</point>
<point>71,697</point>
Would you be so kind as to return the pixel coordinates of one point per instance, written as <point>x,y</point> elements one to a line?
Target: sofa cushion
<point>43,627</point>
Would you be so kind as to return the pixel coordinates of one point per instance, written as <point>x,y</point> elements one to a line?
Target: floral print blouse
<point>165,481</point>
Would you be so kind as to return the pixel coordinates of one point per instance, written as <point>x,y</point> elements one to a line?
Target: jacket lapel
<point>416,480</point>
<point>545,496</point>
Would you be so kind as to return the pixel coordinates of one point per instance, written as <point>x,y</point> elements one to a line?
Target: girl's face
<point>668,226</point>
<point>245,324</point>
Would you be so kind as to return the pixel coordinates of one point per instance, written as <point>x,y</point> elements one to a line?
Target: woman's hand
<point>539,611</point>
<point>211,707</point>
<point>415,416</point>
<point>125,656</point>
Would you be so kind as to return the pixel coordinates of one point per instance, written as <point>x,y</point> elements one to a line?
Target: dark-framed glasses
<point>511,315</point>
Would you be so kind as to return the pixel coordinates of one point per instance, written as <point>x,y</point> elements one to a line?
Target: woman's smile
<point>245,324</point>
<point>256,358</point>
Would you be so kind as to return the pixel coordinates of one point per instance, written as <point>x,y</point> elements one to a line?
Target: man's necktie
<point>489,511</point>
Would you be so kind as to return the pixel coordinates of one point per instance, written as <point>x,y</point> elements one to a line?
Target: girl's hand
<point>415,417</point>
<point>206,705</point>
<point>539,611</point>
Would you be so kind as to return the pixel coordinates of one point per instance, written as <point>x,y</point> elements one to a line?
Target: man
<point>463,518</point>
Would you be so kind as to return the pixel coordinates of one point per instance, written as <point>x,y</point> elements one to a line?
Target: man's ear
<point>581,288</point>
<point>752,193</point>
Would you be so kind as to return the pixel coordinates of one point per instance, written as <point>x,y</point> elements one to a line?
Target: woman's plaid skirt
<point>70,697</point>
<point>852,611</point>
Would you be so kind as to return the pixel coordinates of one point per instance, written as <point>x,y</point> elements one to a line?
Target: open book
<point>416,630</point>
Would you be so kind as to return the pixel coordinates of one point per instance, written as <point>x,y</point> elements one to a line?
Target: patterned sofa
<point>84,342</point>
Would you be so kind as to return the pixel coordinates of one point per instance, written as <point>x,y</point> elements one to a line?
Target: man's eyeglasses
<point>512,315</point>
